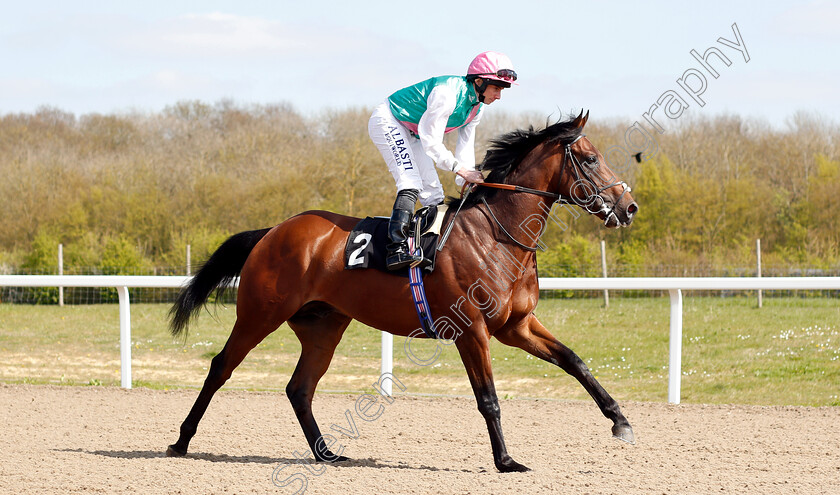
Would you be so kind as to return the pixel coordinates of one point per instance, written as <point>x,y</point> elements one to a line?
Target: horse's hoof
<point>173,452</point>
<point>511,466</point>
<point>624,433</point>
<point>330,457</point>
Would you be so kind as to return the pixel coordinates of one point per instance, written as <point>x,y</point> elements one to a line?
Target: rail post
<point>61,272</point>
<point>758,265</point>
<point>604,271</point>
<point>125,338</point>
<point>387,361</point>
<point>675,347</point>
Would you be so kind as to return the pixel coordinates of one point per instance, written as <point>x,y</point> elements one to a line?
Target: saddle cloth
<point>365,246</point>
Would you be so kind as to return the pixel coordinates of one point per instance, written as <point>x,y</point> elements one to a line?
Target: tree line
<point>131,190</point>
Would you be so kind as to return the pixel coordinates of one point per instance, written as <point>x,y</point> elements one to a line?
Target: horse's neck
<point>508,215</point>
<point>533,173</point>
<point>523,215</point>
<point>536,169</point>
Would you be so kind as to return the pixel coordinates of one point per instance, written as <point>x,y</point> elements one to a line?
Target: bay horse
<point>294,273</point>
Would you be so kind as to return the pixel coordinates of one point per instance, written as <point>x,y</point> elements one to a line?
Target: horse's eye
<point>592,161</point>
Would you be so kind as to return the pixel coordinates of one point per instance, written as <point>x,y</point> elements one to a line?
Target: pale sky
<point>613,57</point>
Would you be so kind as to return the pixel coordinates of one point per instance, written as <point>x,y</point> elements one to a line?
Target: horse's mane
<point>508,150</point>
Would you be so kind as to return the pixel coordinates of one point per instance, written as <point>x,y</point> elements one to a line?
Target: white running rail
<point>674,286</point>
<point>120,282</point>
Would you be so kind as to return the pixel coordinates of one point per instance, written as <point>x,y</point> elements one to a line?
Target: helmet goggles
<point>504,74</point>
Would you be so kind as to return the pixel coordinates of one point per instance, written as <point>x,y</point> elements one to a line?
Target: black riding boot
<point>398,255</point>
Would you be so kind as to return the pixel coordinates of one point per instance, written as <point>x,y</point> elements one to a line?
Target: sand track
<point>108,440</point>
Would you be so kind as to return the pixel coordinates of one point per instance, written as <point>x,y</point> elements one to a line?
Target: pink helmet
<point>493,65</point>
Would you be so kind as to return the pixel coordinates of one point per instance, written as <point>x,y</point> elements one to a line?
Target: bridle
<point>578,168</point>
<point>580,172</point>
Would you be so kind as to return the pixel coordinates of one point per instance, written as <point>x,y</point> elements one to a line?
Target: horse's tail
<point>222,267</point>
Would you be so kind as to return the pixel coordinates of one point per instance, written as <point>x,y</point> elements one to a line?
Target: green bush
<point>42,259</point>
<point>121,257</point>
<point>196,172</point>
<point>576,257</point>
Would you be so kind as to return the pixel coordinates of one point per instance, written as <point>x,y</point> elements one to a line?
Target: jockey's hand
<point>472,176</point>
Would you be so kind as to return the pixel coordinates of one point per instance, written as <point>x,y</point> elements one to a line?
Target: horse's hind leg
<point>319,327</point>
<point>244,337</point>
<point>531,336</point>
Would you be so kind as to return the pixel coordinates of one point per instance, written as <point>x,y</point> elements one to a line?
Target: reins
<point>523,246</point>
<point>528,190</point>
<point>515,188</point>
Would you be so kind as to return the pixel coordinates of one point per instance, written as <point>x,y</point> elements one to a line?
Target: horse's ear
<point>580,120</point>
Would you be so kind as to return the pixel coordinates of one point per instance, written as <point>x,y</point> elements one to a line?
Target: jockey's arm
<point>431,128</point>
<point>465,148</point>
<point>465,152</point>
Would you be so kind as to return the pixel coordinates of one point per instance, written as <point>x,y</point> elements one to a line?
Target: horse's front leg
<point>475,354</point>
<point>530,335</point>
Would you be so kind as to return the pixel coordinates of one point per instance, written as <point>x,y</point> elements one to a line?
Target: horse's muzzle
<point>630,212</point>
<point>620,217</point>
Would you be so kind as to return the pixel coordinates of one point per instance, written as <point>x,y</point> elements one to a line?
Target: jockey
<point>408,129</point>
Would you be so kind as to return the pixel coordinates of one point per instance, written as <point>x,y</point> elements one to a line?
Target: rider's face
<point>492,93</point>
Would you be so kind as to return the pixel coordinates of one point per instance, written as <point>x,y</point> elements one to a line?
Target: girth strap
<point>418,294</point>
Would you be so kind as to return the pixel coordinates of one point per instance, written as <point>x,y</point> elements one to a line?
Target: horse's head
<point>556,162</point>
<point>586,180</point>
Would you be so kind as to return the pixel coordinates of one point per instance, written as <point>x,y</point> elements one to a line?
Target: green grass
<point>783,354</point>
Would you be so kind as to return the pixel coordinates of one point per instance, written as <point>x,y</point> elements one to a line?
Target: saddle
<point>366,243</point>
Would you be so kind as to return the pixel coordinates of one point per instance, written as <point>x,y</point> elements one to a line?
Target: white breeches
<point>404,155</point>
